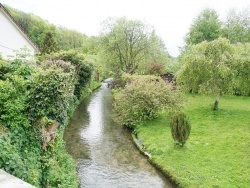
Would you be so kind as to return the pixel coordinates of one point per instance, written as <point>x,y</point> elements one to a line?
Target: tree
<point>49,43</point>
<point>69,39</point>
<point>126,44</point>
<point>180,127</point>
<point>157,53</point>
<point>242,69</point>
<point>236,28</point>
<point>90,45</point>
<point>206,27</point>
<point>208,68</point>
<point>37,28</point>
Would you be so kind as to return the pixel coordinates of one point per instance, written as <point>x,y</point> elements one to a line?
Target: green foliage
<point>91,45</point>
<point>126,45</point>
<point>206,27</point>
<point>13,94</point>
<point>33,25</point>
<point>215,67</point>
<point>3,129</point>
<point>155,68</point>
<point>18,67</point>
<point>83,70</point>
<point>20,150</point>
<point>236,28</point>
<point>49,43</point>
<point>28,94</point>
<point>3,68</point>
<point>217,151</point>
<point>174,65</point>
<point>180,127</point>
<point>242,68</point>
<point>37,29</point>
<point>58,166</point>
<point>207,68</point>
<point>10,160</point>
<point>13,104</point>
<point>20,155</point>
<point>69,39</point>
<point>51,92</point>
<point>141,99</point>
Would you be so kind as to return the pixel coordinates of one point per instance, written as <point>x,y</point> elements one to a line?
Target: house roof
<point>6,12</point>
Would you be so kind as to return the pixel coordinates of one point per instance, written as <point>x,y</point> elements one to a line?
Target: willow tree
<point>242,69</point>
<point>208,68</point>
<point>127,44</point>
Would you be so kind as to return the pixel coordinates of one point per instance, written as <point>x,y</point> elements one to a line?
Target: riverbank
<point>93,85</point>
<point>217,152</point>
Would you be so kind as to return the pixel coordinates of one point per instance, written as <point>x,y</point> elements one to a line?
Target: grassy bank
<point>217,153</point>
<point>93,85</point>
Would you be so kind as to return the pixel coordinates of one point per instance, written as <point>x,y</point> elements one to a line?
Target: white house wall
<point>11,38</point>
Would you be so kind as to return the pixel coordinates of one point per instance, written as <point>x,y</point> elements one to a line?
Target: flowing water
<point>104,151</point>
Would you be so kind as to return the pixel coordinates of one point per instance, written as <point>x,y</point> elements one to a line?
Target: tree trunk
<point>216,103</point>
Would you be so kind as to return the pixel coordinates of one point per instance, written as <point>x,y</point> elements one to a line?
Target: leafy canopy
<point>49,44</point>
<point>207,68</point>
<point>242,69</point>
<point>206,27</point>
<point>129,44</point>
<point>142,98</point>
<point>236,27</point>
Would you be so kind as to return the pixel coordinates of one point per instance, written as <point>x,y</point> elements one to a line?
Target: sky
<point>171,19</point>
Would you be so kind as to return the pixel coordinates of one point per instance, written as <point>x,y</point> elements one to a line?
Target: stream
<point>104,151</point>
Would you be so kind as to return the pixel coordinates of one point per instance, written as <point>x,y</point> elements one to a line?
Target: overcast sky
<point>170,18</point>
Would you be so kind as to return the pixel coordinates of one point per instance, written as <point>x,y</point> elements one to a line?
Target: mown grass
<point>217,153</point>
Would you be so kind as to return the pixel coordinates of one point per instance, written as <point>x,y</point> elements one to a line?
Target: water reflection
<point>104,151</point>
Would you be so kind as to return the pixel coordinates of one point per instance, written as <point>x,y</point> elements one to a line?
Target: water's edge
<point>104,152</point>
<point>143,150</point>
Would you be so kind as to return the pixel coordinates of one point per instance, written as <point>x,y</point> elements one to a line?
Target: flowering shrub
<point>142,98</point>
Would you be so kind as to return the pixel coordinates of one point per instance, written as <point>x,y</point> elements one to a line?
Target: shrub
<point>28,94</point>
<point>51,93</point>
<point>4,68</point>
<point>17,68</point>
<point>180,127</point>
<point>83,70</point>
<point>20,155</point>
<point>13,103</point>
<point>141,99</point>
<point>10,159</point>
<point>155,68</point>
<point>59,169</point>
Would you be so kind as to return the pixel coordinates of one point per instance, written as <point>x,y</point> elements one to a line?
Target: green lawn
<point>217,153</point>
